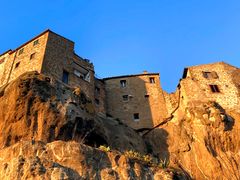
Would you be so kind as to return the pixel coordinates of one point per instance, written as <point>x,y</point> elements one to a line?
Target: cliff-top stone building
<point>52,55</point>
<point>138,100</point>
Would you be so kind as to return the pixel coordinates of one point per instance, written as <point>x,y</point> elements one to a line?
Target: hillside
<point>50,131</point>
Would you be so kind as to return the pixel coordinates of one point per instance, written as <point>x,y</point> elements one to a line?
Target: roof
<point>44,32</point>
<point>133,75</point>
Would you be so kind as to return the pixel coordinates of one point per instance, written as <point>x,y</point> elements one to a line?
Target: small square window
<point>97,90</point>
<point>123,83</point>
<point>214,88</point>
<point>97,102</point>
<point>32,56</point>
<point>20,51</point>
<point>65,76</point>
<point>125,97</point>
<point>2,60</point>
<point>17,65</point>
<point>35,42</point>
<point>210,75</point>
<point>136,117</point>
<point>152,80</point>
<point>78,73</point>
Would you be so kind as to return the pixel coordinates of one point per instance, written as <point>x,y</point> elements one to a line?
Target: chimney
<point>145,72</point>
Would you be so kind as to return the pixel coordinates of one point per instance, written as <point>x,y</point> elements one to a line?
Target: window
<point>210,75</point>
<point>2,60</point>
<point>123,83</point>
<point>17,65</point>
<point>82,73</point>
<point>35,42</point>
<point>146,95</point>
<point>78,74</point>
<point>152,80</point>
<point>214,88</point>
<point>136,117</point>
<point>32,56</point>
<point>97,90</point>
<point>125,97</point>
<point>20,51</point>
<point>65,76</point>
<point>97,101</point>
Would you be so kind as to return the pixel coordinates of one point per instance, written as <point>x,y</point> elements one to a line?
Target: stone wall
<point>143,98</point>
<point>50,54</point>
<point>172,101</point>
<point>28,57</point>
<point>196,87</point>
<point>100,96</point>
<point>60,56</point>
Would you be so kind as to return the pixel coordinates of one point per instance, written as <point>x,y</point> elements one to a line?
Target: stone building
<point>136,99</point>
<point>209,82</point>
<point>54,56</point>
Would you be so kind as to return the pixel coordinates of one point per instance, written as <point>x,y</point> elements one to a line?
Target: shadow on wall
<point>141,103</point>
<point>83,131</point>
<point>227,119</point>
<point>128,99</point>
<point>157,144</point>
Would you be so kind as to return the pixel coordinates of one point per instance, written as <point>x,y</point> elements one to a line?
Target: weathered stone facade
<point>28,57</point>
<point>211,82</point>
<point>100,96</point>
<point>216,82</point>
<point>136,99</point>
<point>52,55</point>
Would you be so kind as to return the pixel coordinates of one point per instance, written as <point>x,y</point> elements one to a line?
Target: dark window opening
<point>82,74</point>
<point>97,90</point>
<point>214,88</point>
<point>136,116</point>
<point>210,75</point>
<point>97,102</point>
<point>152,80</point>
<point>2,60</point>
<point>123,83</point>
<point>20,51</point>
<point>146,95</point>
<point>65,76</point>
<point>125,97</point>
<point>35,42</point>
<point>17,65</point>
<point>32,56</point>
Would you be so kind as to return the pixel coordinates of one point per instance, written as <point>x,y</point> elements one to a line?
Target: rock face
<point>33,108</point>
<point>50,131</point>
<point>204,141</point>
<point>71,160</point>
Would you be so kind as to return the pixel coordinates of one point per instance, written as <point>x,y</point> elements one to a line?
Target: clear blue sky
<point>128,36</point>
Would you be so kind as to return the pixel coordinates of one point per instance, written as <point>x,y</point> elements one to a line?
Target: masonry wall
<point>145,98</point>
<point>195,87</point>
<point>60,56</point>
<point>6,61</point>
<point>172,101</point>
<point>17,63</point>
<point>100,96</point>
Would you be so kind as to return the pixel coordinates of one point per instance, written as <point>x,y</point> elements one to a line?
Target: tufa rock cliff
<point>50,131</point>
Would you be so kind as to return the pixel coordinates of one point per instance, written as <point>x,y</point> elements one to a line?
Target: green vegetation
<point>147,159</point>
<point>104,148</point>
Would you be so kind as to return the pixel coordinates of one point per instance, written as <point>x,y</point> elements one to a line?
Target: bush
<point>104,148</point>
<point>163,163</point>
<point>147,159</point>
